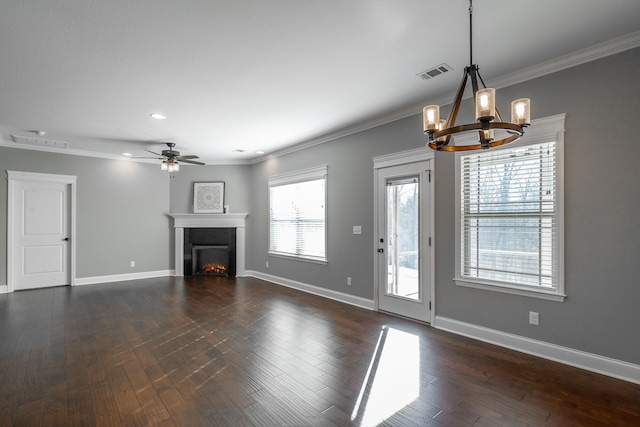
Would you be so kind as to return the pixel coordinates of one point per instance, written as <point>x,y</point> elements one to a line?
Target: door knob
<point>66,239</point>
<point>380,250</point>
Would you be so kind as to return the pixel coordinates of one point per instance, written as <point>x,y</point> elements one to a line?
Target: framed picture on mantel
<point>208,197</point>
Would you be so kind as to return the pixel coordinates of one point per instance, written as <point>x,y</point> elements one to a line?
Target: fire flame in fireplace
<point>213,269</point>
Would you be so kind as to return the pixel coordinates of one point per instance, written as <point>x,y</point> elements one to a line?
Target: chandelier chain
<point>470,32</point>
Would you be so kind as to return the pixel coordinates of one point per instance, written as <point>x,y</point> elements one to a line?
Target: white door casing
<point>389,171</point>
<point>40,230</point>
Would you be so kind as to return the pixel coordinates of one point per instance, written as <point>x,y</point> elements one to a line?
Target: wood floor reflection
<point>243,352</point>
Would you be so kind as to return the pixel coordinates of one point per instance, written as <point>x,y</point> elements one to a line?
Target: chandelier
<point>488,119</point>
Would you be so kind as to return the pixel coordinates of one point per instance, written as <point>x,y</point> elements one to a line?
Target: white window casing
<point>298,215</point>
<point>510,214</point>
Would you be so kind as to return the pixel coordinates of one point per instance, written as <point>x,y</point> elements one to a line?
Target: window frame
<point>542,130</point>
<point>311,174</point>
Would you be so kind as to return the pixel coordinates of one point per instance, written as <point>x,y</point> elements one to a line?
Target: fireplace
<point>210,251</point>
<point>209,260</point>
<point>191,229</point>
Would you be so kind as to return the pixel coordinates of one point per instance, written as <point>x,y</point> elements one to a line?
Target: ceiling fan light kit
<point>488,120</point>
<point>170,166</point>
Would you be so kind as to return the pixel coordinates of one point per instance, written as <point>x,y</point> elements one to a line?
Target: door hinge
<point>429,171</point>
<point>429,240</point>
<point>429,305</point>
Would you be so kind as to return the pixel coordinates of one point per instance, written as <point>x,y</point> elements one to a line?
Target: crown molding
<point>101,155</point>
<point>598,51</point>
<point>70,151</point>
<point>602,50</point>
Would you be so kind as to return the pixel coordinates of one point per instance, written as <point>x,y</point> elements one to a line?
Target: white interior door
<point>40,232</point>
<point>404,251</point>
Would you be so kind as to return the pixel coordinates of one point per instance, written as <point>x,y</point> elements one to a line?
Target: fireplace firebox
<point>210,252</point>
<point>210,260</point>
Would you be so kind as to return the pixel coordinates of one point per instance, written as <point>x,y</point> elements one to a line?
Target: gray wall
<point>121,216</point>
<point>350,202</point>
<point>238,188</point>
<point>602,235</point>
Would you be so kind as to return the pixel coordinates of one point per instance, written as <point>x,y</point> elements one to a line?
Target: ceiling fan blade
<point>158,158</point>
<point>187,157</point>
<point>192,162</point>
<point>153,152</point>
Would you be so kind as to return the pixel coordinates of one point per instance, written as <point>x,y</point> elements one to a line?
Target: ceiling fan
<point>171,157</point>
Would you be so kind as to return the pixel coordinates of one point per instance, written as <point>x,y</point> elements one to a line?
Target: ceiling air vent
<point>435,71</point>
<point>39,142</point>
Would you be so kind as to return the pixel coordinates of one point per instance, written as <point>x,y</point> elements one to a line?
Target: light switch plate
<point>357,229</point>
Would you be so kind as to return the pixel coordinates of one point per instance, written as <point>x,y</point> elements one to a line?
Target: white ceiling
<point>262,75</point>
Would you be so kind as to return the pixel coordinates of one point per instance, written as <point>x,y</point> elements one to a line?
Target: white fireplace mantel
<point>230,220</point>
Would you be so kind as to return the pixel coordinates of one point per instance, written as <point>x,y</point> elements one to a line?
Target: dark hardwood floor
<point>243,352</point>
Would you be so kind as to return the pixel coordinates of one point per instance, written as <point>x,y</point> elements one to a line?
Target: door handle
<point>380,250</point>
<point>66,239</point>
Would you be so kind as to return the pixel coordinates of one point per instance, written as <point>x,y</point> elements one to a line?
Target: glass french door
<point>403,237</point>
<point>403,240</point>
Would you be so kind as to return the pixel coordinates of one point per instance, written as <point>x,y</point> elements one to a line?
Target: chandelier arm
<point>453,114</point>
<point>473,74</point>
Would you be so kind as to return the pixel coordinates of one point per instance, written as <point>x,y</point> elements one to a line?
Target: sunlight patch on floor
<point>393,378</point>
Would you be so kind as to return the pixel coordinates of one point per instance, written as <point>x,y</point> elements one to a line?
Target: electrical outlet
<point>132,264</point>
<point>534,318</point>
<point>267,264</point>
<point>357,229</point>
<point>348,281</point>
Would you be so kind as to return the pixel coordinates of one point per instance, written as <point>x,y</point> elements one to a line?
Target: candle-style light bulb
<point>486,104</point>
<point>431,117</point>
<point>488,134</point>
<point>521,112</point>
<point>441,125</point>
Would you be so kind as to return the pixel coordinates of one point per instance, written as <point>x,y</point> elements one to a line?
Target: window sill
<point>514,290</point>
<point>298,258</point>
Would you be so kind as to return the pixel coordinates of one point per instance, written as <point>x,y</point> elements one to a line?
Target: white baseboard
<point>580,359</point>
<point>122,277</point>
<point>4,289</point>
<point>316,290</point>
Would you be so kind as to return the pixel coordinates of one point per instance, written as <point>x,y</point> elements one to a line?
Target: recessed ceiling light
<point>126,154</point>
<point>158,116</point>
<point>260,152</point>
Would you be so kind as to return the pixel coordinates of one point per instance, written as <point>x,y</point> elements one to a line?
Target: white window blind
<point>508,218</point>
<point>297,214</point>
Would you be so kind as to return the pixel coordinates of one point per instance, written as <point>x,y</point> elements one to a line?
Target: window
<point>509,215</point>
<point>297,215</point>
